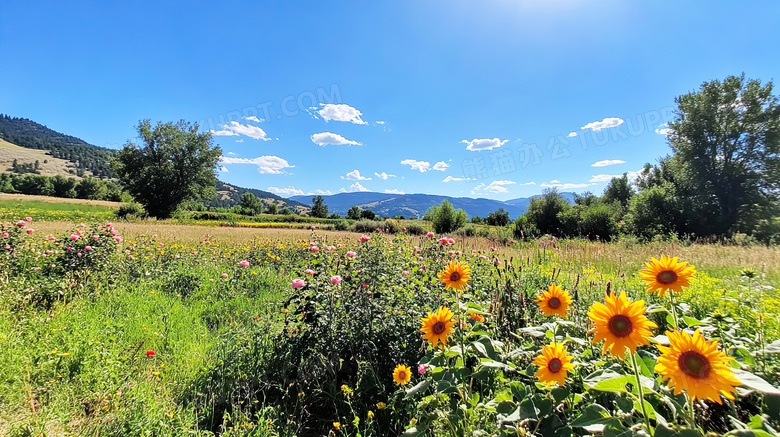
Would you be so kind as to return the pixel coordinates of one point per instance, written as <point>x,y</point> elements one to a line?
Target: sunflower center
<point>554,302</point>
<point>620,325</point>
<point>454,276</point>
<point>694,364</point>
<point>554,365</point>
<point>666,277</point>
<point>402,375</point>
<point>438,328</point>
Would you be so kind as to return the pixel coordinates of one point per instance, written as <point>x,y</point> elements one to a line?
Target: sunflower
<point>402,374</point>
<point>621,323</point>
<point>455,275</point>
<point>695,366</point>
<point>667,274</point>
<point>554,364</point>
<point>437,326</point>
<point>554,301</point>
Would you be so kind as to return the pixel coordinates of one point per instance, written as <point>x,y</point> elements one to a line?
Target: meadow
<point>164,329</point>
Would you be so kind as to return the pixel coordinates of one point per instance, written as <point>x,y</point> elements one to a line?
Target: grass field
<point>53,166</point>
<point>158,329</point>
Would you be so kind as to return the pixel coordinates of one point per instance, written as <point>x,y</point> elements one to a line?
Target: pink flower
<point>451,240</point>
<point>482,257</point>
<point>430,234</point>
<point>314,249</point>
<point>452,252</point>
<point>154,236</point>
<point>82,225</point>
<point>405,273</point>
<point>131,257</point>
<point>36,268</point>
<point>68,249</point>
<point>113,231</point>
<point>224,275</point>
<point>309,272</point>
<point>5,234</point>
<point>244,263</point>
<point>7,247</point>
<point>339,245</point>
<point>313,227</point>
<point>79,233</point>
<point>177,256</point>
<point>335,279</point>
<point>20,223</point>
<point>363,238</point>
<point>422,368</point>
<point>88,248</point>
<point>403,229</point>
<point>298,283</point>
<point>95,237</point>
<point>109,224</point>
<point>74,237</point>
<point>351,254</point>
<point>118,239</point>
<point>149,353</point>
<point>79,255</point>
<point>29,219</point>
<point>378,230</point>
<point>30,231</point>
<point>161,244</point>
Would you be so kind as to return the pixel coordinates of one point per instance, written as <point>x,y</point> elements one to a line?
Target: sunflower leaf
<point>594,414</point>
<point>420,387</point>
<point>756,383</point>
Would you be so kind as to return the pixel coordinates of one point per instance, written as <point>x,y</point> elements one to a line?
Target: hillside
<point>26,141</point>
<point>31,135</point>
<point>47,164</point>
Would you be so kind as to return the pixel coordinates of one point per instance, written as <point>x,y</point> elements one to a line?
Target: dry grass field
<point>53,166</point>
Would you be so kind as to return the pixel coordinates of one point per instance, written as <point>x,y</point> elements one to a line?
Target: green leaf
<point>528,409</point>
<point>593,414</point>
<point>618,384</point>
<point>559,393</point>
<point>756,383</point>
<point>771,348</point>
<point>691,322</point>
<point>420,387</point>
<point>506,407</point>
<point>519,390</point>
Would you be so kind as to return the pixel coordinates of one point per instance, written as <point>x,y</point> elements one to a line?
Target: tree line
<point>61,186</point>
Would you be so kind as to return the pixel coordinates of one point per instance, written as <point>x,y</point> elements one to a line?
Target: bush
<point>467,231</point>
<point>415,229</point>
<point>367,226</point>
<point>130,211</point>
<point>445,218</point>
<point>391,226</point>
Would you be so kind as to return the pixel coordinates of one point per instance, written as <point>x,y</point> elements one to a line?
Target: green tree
<point>618,190</point>
<point>354,213</point>
<point>64,187</point>
<point>175,163</point>
<point>273,208</point>
<point>251,203</point>
<point>319,209</point>
<point>445,218</point>
<point>90,188</point>
<point>543,212</point>
<point>727,134</point>
<point>367,214</point>
<point>499,217</point>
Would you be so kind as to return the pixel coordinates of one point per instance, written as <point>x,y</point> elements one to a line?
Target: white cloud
<point>380,122</point>
<point>422,166</point>
<point>356,187</point>
<point>253,118</point>
<point>572,134</point>
<point>494,187</point>
<point>607,162</point>
<point>235,128</point>
<point>223,169</point>
<point>603,178</point>
<point>231,154</point>
<point>240,140</point>
<point>267,164</point>
<point>394,191</point>
<point>354,175</point>
<point>664,129</point>
<point>321,192</point>
<point>568,186</point>
<point>339,112</point>
<point>383,175</point>
<point>325,138</point>
<point>603,124</point>
<point>440,166</point>
<point>454,179</point>
<point>287,191</point>
<point>483,144</point>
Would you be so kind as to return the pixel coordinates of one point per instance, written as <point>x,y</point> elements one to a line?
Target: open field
<point>168,330</point>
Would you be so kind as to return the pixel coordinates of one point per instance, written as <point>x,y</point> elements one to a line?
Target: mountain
<point>523,202</point>
<point>31,135</point>
<point>230,195</point>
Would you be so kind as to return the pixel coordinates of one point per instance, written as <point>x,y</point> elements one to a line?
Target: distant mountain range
<point>415,205</point>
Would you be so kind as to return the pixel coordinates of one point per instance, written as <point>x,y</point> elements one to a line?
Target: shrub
<point>129,211</point>
<point>366,226</point>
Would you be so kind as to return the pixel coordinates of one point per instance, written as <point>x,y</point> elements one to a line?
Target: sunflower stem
<point>641,393</point>
<point>674,310</point>
<point>692,416</point>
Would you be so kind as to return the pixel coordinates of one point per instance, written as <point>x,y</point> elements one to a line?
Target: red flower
<point>149,353</point>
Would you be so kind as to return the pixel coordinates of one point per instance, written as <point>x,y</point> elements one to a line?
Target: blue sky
<point>496,99</point>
